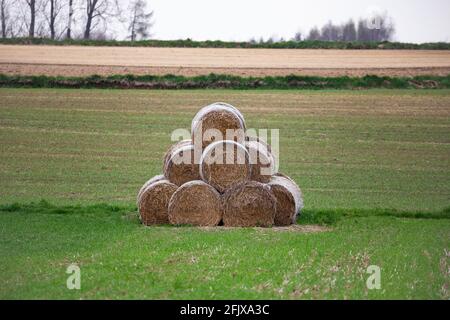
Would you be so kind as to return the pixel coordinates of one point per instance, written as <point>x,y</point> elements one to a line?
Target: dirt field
<point>79,61</point>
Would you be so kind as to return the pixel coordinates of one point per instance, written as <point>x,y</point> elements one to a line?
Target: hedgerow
<point>216,81</point>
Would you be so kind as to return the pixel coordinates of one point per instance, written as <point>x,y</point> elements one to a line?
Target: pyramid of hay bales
<point>208,181</point>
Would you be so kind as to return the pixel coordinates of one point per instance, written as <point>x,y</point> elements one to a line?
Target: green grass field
<point>374,167</point>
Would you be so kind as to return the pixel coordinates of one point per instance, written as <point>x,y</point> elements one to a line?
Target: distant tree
<point>386,29</point>
<point>298,36</point>
<point>349,31</point>
<point>363,31</point>
<point>326,31</point>
<point>330,32</point>
<point>379,27</point>
<point>140,21</point>
<point>314,34</point>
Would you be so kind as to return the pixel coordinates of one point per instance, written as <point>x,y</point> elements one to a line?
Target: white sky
<point>415,20</point>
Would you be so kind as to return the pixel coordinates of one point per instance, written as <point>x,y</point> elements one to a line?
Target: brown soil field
<point>81,61</point>
<point>85,70</point>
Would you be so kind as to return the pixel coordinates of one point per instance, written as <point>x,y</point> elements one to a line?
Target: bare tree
<point>140,22</point>
<point>349,31</point>
<point>92,12</point>
<point>330,32</point>
<point>52,18</point>
<point>32,24</point>
<point>386,29</point>
<point>5,16</point>
<point>314,34</point>
<point>298,36</point>
<point>97,11</point>
<point>376,28</point>
<point>69,20</point>
<point>52,10</point>
<point>363,31</point>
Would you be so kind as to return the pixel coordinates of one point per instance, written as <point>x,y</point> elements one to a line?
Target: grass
<point>217,81</point>
<point>119,258</point>
<point>188,43</point>
<point>380,149</point>
<point>373,167</point>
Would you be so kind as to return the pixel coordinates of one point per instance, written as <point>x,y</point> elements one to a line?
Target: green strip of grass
<point>46,207</point>
<point>331,216</point>
<point>308,216</point>
<point>216,81</point>
<point>188,43</point>
<point>121,259</point>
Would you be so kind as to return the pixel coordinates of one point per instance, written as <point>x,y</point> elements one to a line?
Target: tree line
<point>73,19</point>
<point>89,20</point>
<point>378,28</point>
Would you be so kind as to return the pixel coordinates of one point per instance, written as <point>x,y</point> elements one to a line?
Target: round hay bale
<point>249,204</point>
<point>216,119</point>
<point>195,203</point>
<point>258,139</point>
<point>154,202</point>
<point>289,199</point>
<point>173,147</point>
<point>261,160</point>
<point>152,180</point>
<point>236,110</point>
<point>181,167</point>
<point>280,174</point>
<point>225,164</point>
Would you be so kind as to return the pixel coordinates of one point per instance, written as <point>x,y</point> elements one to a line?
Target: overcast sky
<point>415,20</point>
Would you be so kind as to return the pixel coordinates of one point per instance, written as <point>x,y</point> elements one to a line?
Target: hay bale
<point>289,199</point>
<point>154,202</point>
<point>261,160</point>
<point>236,110</point>
<point>280,174</point>
<point>173,147</point>
<point>180,166</point>
<point>258,139</point>
<point>225,164</point>
<point>149,182</point>
<point>249,204</point>
<point>195,203</point>
<point>214,119</point>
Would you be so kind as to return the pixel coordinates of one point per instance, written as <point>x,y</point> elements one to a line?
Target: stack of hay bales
<point>218,178</point>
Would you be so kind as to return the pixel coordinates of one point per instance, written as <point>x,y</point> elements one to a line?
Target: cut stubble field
<point>374,166</point>
<point>84,61</point>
